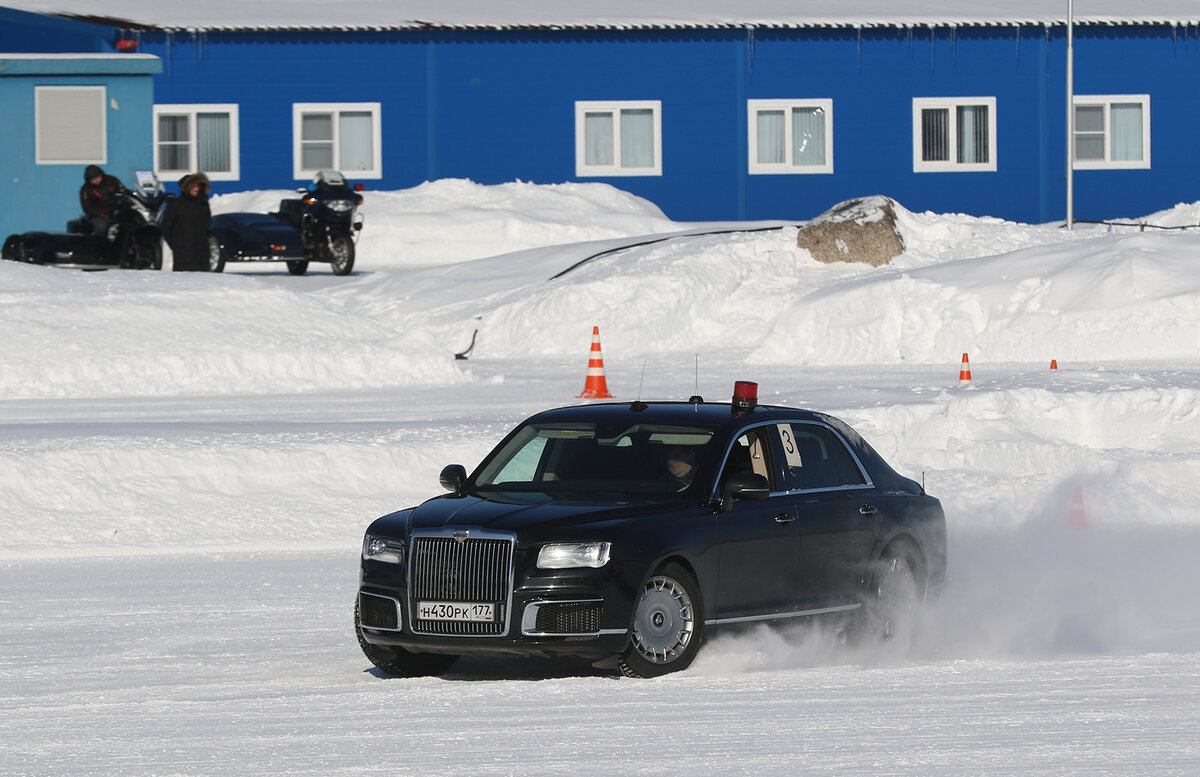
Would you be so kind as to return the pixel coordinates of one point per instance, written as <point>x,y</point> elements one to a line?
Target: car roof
<point>713,415</point>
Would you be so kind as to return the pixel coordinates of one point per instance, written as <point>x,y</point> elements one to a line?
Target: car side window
<point>816,458</point>
<point>751,453</point>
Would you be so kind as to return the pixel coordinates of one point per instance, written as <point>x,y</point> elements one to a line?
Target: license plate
<point>478,612</point>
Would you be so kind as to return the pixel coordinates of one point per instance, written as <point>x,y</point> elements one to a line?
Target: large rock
<point>859,230</point>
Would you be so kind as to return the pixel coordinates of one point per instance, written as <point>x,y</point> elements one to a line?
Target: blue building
<point>710,117</point>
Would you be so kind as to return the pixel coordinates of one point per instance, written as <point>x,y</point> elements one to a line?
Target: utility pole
<point>1070,114</point>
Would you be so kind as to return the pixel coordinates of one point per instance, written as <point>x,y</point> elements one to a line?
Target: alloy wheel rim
<point>665,621</point>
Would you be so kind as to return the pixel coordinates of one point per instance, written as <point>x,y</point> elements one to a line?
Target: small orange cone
<point>1077,518</point>
<point>964,375</point>
<point>595,387</point>
<point>1054,364</point>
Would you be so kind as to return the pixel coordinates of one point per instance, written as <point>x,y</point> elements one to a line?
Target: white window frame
<point>191,110</point>
<point>299,109</point>
<point>787,167</point>
<point>953,165</point>
<point>1106,101</point>
<point>67,128</point>
<point>584,107</point>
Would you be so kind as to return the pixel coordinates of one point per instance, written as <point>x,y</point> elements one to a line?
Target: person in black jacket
<point>186,223</point>
<point>99,197</point>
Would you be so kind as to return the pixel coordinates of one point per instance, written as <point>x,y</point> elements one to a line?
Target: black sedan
<point>621,533</point>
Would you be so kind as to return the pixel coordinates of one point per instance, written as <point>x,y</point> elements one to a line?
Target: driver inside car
<point>681,463</point>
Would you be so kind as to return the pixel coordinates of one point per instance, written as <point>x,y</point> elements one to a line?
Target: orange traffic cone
<point>964,375</point>
<point>1054,364</point>
<point>595,387</point>
<point>1077,518</point>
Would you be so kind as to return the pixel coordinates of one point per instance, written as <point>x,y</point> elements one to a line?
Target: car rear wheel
<point>297,266</point>
<point>894,599</point>
<point>341,255</point>
<point>668,625</point>
<point>399,662</point>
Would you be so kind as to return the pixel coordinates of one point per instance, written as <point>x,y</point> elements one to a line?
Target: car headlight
<point>567,555</point>
<point>383,549</point>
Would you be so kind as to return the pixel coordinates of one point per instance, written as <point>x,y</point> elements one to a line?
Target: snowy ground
<point>187,464</point>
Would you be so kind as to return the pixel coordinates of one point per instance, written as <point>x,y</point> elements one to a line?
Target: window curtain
<point>1127,141</point>
<point>637,137</point>
<point>355,146</point>
<point>316,141</point>
<point>173,142</point>
<point>213,150</point>
<point>772,129</point>
<point>808,136</point>
<point>972,134</point>
<point>935,135</point>
<point>1089,132</point>
<point>598,139</point>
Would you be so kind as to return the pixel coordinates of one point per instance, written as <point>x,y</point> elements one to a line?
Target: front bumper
<point>549,626</point>
<point>579,612</point>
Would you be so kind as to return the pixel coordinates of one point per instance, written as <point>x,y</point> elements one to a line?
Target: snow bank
<point>453,220</point>
<point>73,334</point>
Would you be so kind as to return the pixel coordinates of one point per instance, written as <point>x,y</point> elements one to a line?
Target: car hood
<point>531,515</point>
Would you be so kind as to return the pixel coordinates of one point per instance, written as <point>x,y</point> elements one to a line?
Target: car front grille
<point>446,569</point>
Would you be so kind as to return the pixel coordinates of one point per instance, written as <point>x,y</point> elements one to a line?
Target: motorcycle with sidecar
<point>132,241</point>
<point>322,225</point>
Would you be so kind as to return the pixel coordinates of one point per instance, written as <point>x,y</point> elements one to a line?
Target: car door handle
<point>785,518</point>
<point>868,510</point>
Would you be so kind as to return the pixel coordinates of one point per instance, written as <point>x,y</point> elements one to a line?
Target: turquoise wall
<point>43,197</point>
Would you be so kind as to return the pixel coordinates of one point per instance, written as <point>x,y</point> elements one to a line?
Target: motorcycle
<point>321,226</point>
<point>132,241</point>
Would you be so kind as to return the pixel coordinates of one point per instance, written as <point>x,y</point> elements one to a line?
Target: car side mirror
<point>744,485</point>
<point>454,478</point>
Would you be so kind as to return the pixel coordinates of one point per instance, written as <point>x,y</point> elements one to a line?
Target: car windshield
<point>587,458</point>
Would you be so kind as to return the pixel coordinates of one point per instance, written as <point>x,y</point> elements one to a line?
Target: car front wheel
<point>399,662</point>
<point>297,266</point>
<point>668,625</point>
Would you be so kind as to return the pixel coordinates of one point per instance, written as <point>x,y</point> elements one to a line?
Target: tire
<point>216,257</point>
<point>297,266</point>
<point>894,598</point>
<point>341,255</point>
<point>668,625</point>
<point>145,253</point>
<point>399,662</point>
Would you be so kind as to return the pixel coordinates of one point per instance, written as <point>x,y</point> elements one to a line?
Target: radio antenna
<point>641,382</point>
<point>697,373</point>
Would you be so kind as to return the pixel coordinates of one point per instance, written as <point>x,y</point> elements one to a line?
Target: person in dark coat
<point>99,197</point>
<point>186,223</point>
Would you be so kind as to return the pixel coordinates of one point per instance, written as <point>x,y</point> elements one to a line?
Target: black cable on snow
<point>663,239</point>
